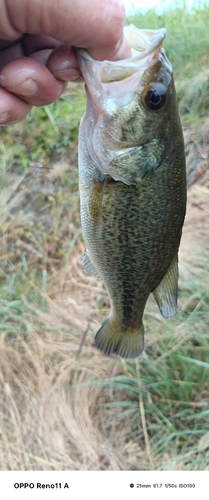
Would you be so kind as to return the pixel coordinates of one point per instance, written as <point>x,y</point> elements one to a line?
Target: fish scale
<point>132,188</point>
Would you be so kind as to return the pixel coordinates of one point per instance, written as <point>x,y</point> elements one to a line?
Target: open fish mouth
<point>145,46</point>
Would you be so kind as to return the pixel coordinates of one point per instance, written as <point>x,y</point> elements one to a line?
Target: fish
<point>132,182</point>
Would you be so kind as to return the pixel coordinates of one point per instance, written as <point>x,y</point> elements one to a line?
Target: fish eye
<point>155,96</point>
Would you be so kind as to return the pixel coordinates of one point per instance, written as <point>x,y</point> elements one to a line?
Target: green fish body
<point>132,186</point>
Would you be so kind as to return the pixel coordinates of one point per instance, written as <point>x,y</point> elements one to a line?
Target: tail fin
<point>113,338</point>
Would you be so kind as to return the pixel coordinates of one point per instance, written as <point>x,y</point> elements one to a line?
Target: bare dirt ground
<point>195,239</point>
<point>46,423</point>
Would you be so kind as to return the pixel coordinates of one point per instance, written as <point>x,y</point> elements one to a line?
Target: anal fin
<point>166,293</point>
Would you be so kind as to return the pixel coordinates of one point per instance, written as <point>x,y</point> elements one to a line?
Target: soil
<point>194,246</point>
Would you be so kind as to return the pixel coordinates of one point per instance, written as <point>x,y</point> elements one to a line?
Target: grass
<point>46,134</point>
<point>161,399</point>
<point>187,40</point>
<point>112,414</point>
<point>187,47</point>
<point>104,413</point>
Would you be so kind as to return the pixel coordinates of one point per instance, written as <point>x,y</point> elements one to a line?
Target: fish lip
<point>156,40</point>
<point>110,71</point>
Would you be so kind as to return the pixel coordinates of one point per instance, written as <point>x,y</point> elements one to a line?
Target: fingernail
<point>68,74</point>
<point>76,77</point>
<point>28,88</point>
<point>4,117</point>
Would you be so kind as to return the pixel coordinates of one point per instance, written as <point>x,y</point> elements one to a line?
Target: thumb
<point>93,25</point>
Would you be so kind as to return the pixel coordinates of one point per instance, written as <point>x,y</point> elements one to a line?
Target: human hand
<point>37,48</point>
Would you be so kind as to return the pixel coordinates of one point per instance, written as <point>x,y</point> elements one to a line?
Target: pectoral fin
<point>89,267</point>
<point>166,293</point>
<point>131,165</point>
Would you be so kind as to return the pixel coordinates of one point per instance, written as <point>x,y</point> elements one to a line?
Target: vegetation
<point>187,47</point>
<point>103,413</point>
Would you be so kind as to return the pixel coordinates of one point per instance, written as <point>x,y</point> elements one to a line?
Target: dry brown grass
<point>49,420</point>
<point>46,425</point>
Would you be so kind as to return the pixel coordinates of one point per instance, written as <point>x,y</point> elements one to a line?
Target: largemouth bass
<point>132,186</point>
